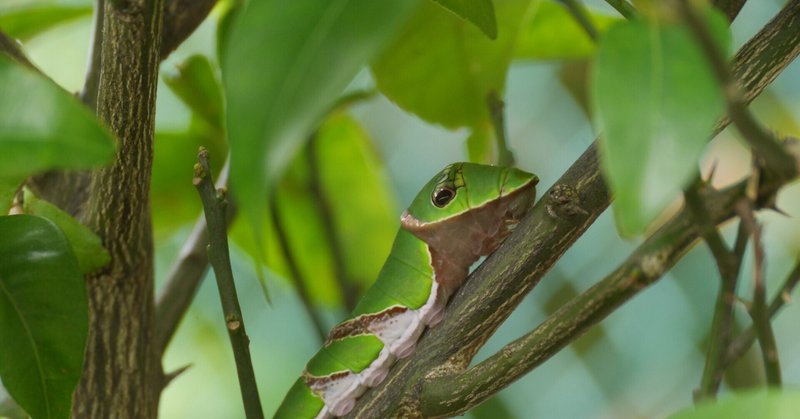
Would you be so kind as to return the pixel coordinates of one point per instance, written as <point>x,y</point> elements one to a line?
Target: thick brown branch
<point>121,362</point>
<point>181,18</point>
<point>452,394</point>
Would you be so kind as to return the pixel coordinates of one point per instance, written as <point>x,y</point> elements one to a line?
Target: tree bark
<point>120,364</point>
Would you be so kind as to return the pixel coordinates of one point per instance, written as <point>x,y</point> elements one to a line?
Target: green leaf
<point>286,62</point>
<point>553,34</point>
<point>8,189</point>
<point>26,22</point>
<point>86,245</point>
<point>441,68</point>
<point>358,194</point>
<point>479,12</point>
<point>195,83</point>
<point>43,127</point>
<point>772,404</point>
<point>43,316</point>
<point>655,101</point>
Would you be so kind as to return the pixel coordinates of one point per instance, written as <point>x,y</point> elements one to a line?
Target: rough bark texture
<point>120,363</point>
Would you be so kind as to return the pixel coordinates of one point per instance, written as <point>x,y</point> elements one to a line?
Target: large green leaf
<point>195,83</point>
<point>286,63</point>
<point>43,316</point>
<point>357,192</point>
<point>28,21</point>
<point>86,245</point>
<point>553,34</point>
<point>441,68</point>
<point>43,127</point>
<point>655,101</point>
<point>773,404</point>
<point>479,12</point>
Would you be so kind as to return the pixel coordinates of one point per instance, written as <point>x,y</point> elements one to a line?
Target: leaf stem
<point>505,157</point>
<point>578,12</point>
<point>294,270</point>
<point>214,204</point>
<point>349,292</point>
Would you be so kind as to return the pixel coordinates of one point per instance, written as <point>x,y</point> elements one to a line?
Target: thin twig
<point>497,112</point>
<point>578,12</point>
<point>728,265</point>
<point>764,145</point>
<point>214,204</point>
<point>348,290</point>
<point>745,340</point>
<point>759,311</point>
<point>91,84</point>
<point>187,273</point>
<point>294,270</point>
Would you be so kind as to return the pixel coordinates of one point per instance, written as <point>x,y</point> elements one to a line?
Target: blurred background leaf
<point>772,404</point>
<point>25,22</point>
<point>479,12</point>
<point>655,101</point>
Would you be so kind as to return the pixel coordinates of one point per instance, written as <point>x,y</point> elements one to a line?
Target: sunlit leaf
<point>774,404</point>
<point>479,12</point>
<point>87,246</point>
<point>43,127</point>
<point>655,101</point>
<point>43,316</point>
<point>441,68</point>
<point>286,62</point>
<point>553,34</point>
<point>26,22</point>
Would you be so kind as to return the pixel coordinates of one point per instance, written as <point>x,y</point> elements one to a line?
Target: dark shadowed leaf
<point>286,63</point>
<point>43,316</point>
<point>43,127</point>
<point>655,101</point>
<point>479,12</point>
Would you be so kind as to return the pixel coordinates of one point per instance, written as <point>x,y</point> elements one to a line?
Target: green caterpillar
<point>463,213</point>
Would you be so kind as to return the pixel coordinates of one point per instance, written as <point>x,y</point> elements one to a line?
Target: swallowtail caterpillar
<point>463,213</point>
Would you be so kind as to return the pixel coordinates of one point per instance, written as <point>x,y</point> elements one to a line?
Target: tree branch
<point>728,264</point>
<point>452,394</point>
<point>181,18</point>
<point>91,85</point>
<point>187,273</point>
<point>10,47</point>
<point>121,295</point>
<point>214,205</point>
<point>730,8</point>
<point>497,287</point>
<point>742,343</point>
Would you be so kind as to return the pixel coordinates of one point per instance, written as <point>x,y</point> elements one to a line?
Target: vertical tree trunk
<point>121,372</point>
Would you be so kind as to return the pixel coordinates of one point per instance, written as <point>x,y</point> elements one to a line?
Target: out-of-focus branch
<point>187,273</point>
<point>181,18</point>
